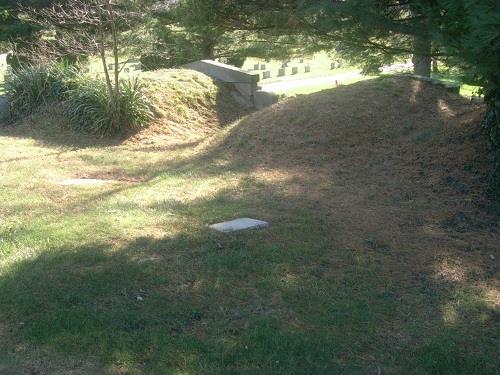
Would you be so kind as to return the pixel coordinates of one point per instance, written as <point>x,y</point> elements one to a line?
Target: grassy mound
<point>390,125</point>
<point>189,105</point>
<point>368,154</point>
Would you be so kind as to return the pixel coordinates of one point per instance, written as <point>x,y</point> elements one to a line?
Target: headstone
<point>111,66</point>
<point>284,65</point>
<point>301,61</point>
<point>281,72</point>
<point>255,66</point>
<point>138,67</point>
<point>295,70</point>
<point>307,69</point>
<point>266,74</point>
<point>339,65</point>
<point>333,65</point>
<point>263,67</point>
<point>126,70</point>
<point>239,224</point>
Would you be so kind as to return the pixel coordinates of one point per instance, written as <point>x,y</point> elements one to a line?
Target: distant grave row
<point>282,72</point>
<point>126,66</point>
<point>266,74</point>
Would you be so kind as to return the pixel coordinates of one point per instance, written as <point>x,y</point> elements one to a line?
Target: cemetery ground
<point>381,255</point>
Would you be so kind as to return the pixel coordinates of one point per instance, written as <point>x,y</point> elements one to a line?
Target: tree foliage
<point>189,30</point>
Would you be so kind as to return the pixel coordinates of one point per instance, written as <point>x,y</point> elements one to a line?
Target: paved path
<point>290,85</point>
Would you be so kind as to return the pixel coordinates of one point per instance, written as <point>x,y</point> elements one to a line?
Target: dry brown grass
<point>190,106</point>
<point>396,166</point>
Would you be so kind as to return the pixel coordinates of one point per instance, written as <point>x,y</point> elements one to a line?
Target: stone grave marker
<point>239,224</point>
<point>281,72</point>
<point>266,74</point>
<point>126,70</point>
<point>307,69</point>
<point>295,70</point>
<point>255,66</point>
<point>301,61</point>
<point>111,66</point>
<point>333,65</point>
<point>263,67</point>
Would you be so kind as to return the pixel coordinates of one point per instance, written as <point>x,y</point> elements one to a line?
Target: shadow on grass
<point>331,287</point>
<point>288,300</point>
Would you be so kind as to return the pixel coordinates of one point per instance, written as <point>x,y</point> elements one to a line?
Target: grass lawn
<point>370,263</point>
<point>465,90</point>
<point>320,87</point>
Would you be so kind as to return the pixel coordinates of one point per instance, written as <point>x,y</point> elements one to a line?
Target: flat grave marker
<point>244,223</point>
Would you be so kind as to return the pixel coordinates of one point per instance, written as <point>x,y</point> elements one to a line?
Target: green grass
<point>316,88</point>
<point>127,278</point>
<point>465,90</point>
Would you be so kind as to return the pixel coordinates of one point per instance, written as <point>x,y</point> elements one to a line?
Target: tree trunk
<point>435,68</point>
<point>208,51</point>
<point>422,56</point>
<point>116,94</point>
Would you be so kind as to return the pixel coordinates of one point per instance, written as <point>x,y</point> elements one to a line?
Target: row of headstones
<point>135,67</point>
<point>282,72</point>
<point>335,65</point>
<point>284,65</point>
<point>111,67</point>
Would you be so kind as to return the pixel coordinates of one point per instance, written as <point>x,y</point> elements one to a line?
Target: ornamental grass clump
<point>29,87</point>
<point>90,107</point>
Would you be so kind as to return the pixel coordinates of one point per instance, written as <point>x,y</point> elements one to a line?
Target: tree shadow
<point>290,299</point>
<point>358,270</point>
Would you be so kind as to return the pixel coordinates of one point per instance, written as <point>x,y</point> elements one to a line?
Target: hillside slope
<point>188,107</point>
<point>391,163</point>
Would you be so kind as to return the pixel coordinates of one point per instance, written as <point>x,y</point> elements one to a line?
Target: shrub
<point>29,86</point>
<point>89,107</point>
